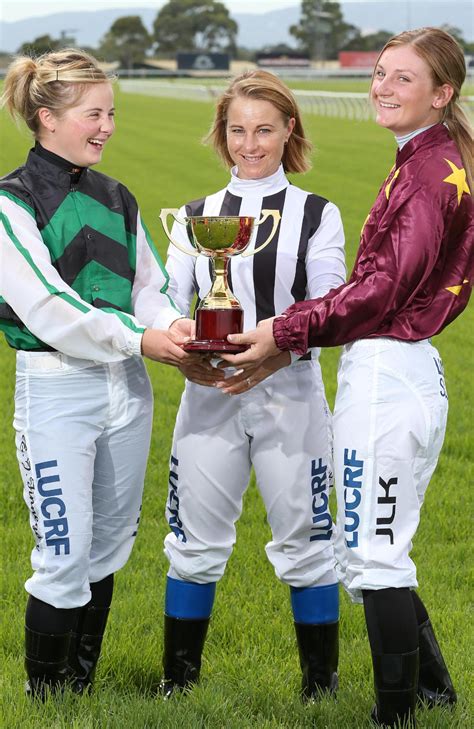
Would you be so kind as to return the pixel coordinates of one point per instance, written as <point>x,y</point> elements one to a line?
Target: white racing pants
<point>282,427</point>
<point>389,425</point>
<point>82,436</point>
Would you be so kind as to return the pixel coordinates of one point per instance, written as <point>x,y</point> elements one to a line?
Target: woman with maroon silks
<point>412,276</point>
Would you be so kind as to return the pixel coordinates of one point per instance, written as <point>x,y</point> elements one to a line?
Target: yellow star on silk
<point>456,290</point>
<point>389,185</point>
<point>457,178</point>
<point>364,224</point>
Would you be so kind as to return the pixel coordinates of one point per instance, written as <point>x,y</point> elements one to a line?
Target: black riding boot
<point>318,647</point>
<point>435,687</point>
<point>46,663</point>
<point>87,636</point>
<point>85,646</point>
<point>396,681</point>
<point>47,639</point>
<point>184,642</point>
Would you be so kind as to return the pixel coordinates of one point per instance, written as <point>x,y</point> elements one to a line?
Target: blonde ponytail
<point>460,130</point>
<point>54,81</point>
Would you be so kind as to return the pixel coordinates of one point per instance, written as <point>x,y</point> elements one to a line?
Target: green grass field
<point>250,674</point>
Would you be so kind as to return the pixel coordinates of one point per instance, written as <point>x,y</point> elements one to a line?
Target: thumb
<point>239,338</point>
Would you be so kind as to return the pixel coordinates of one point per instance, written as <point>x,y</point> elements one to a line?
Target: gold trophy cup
<point>218,237</point>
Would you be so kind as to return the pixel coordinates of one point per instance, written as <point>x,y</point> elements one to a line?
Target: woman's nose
<point>108,125</point>
<point>249,142</point>
<point>384,86</point>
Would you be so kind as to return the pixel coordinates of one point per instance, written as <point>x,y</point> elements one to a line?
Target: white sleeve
<point>152,303</point>
<point>180,267</point>
<point>325,258</point>
<point>50,308</point>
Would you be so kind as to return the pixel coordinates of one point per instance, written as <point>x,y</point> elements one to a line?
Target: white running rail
<point>345,105</point>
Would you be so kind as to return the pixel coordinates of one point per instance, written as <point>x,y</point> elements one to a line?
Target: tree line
<point>206,25</point>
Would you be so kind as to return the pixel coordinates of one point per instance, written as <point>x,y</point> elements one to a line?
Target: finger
<point>238,377</point>
<point>244,338</point>
<point>231,387</point>
<point>179,355</point>
<point>193,358</point>
<point>243,360</point>
<point>203,379</point>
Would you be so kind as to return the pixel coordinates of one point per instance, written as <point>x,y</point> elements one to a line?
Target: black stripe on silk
<point>313,210</point>
<point>52,197</point>
<point>103,304</point>
<point>230,206</point>
<point>99,248</point>
<point>264,263</point>
<point>112,194</point>
<point>196,207</point>
<point>6,312</point>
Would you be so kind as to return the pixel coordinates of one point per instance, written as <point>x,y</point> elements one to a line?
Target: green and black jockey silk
<point>88,222</point>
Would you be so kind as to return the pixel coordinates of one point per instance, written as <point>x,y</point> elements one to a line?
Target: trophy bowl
<point>218,237</point>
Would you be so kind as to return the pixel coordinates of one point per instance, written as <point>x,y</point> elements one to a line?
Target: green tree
<point>188,25</point>
<point>42,44</point>
<point>321,30</point>
<point>370,42</point>
<point>127,41</point>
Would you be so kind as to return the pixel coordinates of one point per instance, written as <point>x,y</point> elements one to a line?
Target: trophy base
<point>214,345</point>
<point>212,328</point>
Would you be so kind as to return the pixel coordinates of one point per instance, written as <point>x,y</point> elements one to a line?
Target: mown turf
<point>250,673</point>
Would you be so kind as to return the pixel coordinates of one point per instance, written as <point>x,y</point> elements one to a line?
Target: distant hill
<point>255,31</point>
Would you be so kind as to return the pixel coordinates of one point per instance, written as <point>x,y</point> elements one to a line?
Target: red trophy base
<point>212,328</point>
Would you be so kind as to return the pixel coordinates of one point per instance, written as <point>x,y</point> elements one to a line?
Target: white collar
<point>274,183</point>
<point>401,141</point>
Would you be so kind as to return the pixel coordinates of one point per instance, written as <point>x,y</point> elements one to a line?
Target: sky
<point>11,10</point>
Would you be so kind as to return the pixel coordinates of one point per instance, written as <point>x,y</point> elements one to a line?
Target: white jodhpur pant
<point>283,428</point>
<point>389,425</point>
<point>82,436</point>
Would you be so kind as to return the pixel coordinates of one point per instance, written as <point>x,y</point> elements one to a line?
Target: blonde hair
<point>263,86</point>
<point>54,81</point>
<point>445,59</point>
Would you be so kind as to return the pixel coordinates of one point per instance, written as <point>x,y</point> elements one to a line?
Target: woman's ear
<point>47,119</point>
<point>291,126</point>
<point>443,96</point>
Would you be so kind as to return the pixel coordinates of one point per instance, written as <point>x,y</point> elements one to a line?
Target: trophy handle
<point>275,214</point>
<point>164,220</point>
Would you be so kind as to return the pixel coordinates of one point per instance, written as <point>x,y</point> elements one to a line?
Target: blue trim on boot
<point>315,605</point>
<point>189,600</point>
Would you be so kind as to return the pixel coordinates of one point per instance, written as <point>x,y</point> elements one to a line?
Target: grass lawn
<point>250,674</point>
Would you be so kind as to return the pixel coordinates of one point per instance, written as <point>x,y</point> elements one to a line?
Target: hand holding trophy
<point>219,238</point>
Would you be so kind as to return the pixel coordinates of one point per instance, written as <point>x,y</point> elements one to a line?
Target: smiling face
<point>403,92</point>
<point>256,133</point>
<point>80,132</point>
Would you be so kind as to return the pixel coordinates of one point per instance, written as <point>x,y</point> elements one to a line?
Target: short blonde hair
<point>263,86</point>
<point>54,81</point>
